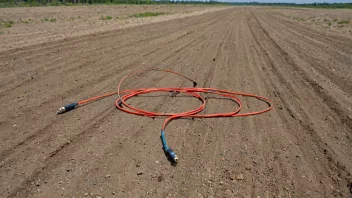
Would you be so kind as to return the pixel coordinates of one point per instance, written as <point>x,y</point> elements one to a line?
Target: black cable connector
<point>194,84</point>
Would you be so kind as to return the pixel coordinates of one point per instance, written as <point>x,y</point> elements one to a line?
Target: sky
<point>291,1</point>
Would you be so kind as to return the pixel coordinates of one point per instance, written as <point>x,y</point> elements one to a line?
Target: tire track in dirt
<point>207,147</point>
<point>285,168</point>
<point>330,101</point>
<point>315,138</point>
<point>254,125</point>
<point>324,63</point>
<point>334,40</point>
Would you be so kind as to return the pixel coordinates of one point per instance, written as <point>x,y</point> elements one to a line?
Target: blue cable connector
<point>168,150</point>
<point>67,108</point>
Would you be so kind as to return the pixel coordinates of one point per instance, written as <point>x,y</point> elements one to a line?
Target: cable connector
<point>168,151</point>
<point>67,108</point>
<point>172,154</point>
<point>120,103</point>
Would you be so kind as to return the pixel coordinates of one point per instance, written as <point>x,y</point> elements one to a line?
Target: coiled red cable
<point>123,96</point>
<point>193,91</point>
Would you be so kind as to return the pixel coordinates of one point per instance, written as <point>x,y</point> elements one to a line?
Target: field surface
<point>301,148</point>
<point>44,24</point>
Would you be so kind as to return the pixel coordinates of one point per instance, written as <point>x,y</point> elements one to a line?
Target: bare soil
<point>302,148</point>
<point>43,24</point>
<point>333,20</point>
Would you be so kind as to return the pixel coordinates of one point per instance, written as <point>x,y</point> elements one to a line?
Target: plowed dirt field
<point>301,148</point>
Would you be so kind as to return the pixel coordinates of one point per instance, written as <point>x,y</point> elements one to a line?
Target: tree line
<point>307,5</point>
<point>11,3</point>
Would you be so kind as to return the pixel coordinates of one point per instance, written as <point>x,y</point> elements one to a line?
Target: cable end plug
<point>120,104</point>
<point>194,84</point>
<point>172,155</point>
<point>67,108</point>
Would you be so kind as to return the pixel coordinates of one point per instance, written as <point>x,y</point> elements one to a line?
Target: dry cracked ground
<point>301,148</point>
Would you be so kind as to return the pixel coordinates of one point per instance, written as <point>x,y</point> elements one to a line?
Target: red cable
<point>127,94</point>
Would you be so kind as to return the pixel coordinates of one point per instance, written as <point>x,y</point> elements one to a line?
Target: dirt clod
<point>239,176</point>
<point>160,178</point>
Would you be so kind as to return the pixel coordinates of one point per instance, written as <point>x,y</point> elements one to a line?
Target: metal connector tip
<point>176,158</point>
<point>61,110</point>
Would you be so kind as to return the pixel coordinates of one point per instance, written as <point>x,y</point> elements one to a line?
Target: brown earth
<point>302,148</point>
<point>333,20</point>
<point>44,24</point>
